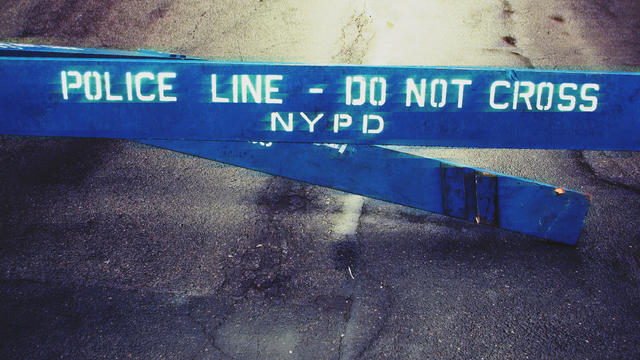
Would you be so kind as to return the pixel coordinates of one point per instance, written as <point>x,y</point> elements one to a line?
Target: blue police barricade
<point>176,102</point>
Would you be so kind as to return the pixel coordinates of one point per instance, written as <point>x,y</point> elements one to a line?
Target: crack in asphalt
<point>633,266</point>
<point>584,163</point>
<point>385,312</point>
<point>356,34</point>
<point>527,60</point>
<point>347,318</point>
<point>383,308</point>
<point>211,339</point>
<point>528,63</point>
<point>510,39</point>
<point>358,291</point>
<point>200,20</point>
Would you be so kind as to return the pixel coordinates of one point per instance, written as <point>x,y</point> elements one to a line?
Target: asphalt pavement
<point>117,250</point>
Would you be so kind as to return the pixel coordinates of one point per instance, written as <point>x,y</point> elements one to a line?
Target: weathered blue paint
<point>32,104</point>
<point>433,185</point>
<point>456,196</point>
<point>469,193</point>
<point>487,198</point>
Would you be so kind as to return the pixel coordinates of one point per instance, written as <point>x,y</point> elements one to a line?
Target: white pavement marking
<point>347,223</point>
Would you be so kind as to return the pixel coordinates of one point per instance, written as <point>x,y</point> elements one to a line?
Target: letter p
<point>66,84</point>
<point>341,121</point>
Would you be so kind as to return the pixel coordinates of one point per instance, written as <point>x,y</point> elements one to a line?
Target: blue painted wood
<point>471,198</point>
<point>469,193</point>
<point>32,106</point>
<point>511,203</point>
<point>487,198</point>
<point>454,191</point>
<point>605,106</point>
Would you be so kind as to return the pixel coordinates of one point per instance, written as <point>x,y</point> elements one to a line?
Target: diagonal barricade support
<point>437,186</point>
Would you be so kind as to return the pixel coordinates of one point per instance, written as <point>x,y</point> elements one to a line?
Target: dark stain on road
<point>294,199</point>
<point>509,40</point>
<point>346,254</point>
<point>267,264</point>
<point>72,18</point>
